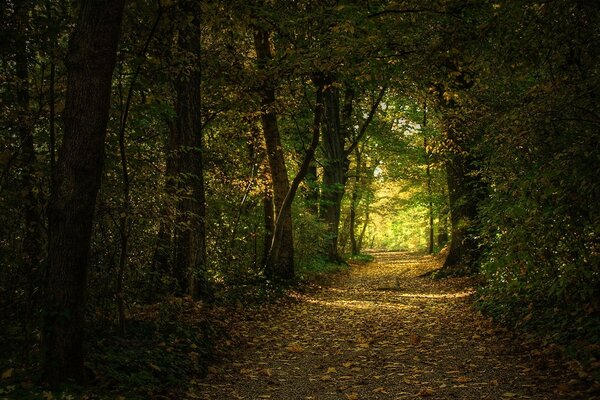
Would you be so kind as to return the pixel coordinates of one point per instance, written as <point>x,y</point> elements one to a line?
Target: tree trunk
<point>162,258</point>
<point>281,256</point>
<point>334,170</point>
<point>190,254</point>
<point>361,237</point>
<point>430,226</point>
<point>354,204</point>
<point>463,199</point>
<point>91,61</point>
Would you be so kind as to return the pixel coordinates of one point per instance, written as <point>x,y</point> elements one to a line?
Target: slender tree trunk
<point>354,204</point>
<point>281,256</point>
<point>91,61</point>
<point>430,227</point>
<point>361,237</point>
<point>430,242</point>
<point>269,224</point>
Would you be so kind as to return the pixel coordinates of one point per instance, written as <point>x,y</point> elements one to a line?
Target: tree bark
<point>280,262</point>
<point>335,168</point>
<point>430,227</point>
<point>354,204</point>
<point>90,63</point>
<point>190,254</point>
<point>463,187</point>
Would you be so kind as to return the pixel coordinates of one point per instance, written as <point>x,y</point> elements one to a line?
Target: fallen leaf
<point>294,348</point>
<point>331,370</point>
<point>325,378</point>
<point>414,339</point>
<point>509,394</point>
<point>463,379</point>
<point>427,392</point>
<point>352,396</point>
<point>8,373</point>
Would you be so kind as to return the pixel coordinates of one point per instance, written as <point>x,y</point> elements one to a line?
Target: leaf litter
<point>383,332</point>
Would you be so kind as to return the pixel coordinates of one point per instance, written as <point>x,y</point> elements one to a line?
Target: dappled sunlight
<point>437,295</point>
<point>360,304</point>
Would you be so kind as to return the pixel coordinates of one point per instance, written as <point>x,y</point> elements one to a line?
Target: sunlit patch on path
<point>381,332</point>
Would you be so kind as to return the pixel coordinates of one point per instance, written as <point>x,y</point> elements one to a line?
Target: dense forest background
<point>158,151</point>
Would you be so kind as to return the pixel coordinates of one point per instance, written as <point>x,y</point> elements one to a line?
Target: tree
<point>190,236</point>
<point>281,260</point>
<point>91,61</point>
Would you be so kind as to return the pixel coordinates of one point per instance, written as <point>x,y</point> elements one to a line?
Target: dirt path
<point>381,333</point>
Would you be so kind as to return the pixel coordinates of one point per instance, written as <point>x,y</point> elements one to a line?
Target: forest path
<point>380,332</point>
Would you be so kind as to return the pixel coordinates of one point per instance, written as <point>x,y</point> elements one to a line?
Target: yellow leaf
<point>347,364</point>
<point>8,373</point>
<point>295,348</point>
<point>352,396</point>
<point>331,370</point>
<point>509,394</point>
<point>326,378</point>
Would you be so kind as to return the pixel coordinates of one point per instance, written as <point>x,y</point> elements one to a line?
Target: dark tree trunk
<point>280,263</point>
<point>442,236</point>
<point>190,247</point>
<point>269,225</point>
<point>91,61</point>
<point>33,228</point>
<point>335,168</point>
<point>463,196</point>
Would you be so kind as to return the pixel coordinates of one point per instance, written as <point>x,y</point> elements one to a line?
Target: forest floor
<point>381,331</point>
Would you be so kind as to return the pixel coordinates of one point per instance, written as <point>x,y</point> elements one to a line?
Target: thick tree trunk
<point>281,256</point>
<point>190,254</point>
<point>463,197</point>
<point>91,60</point>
